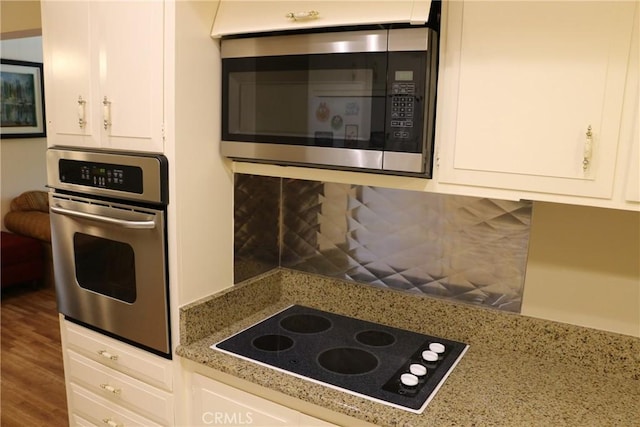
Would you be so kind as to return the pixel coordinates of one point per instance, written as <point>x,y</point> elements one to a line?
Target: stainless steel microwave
<point>356,100</point>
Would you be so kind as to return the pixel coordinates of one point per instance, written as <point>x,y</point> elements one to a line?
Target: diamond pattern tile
<point>463,248</point>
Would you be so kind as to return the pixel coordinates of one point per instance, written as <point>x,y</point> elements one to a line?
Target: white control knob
<point>436,347</point>
<point>409,380</point>
<point>418,370</point>
<point>430,356</point>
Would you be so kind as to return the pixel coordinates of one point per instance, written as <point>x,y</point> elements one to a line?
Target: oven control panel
<point>123,178</point>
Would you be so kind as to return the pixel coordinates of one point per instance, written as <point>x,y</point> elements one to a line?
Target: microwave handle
<point>113,221</point>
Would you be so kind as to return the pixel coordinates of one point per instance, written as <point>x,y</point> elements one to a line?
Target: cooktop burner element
<point>389,365</point>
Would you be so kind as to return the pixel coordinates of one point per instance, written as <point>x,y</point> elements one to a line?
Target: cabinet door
<point>69,62</point>
<point>215,403</point>
<point>632,132</point>
<point>254,16</point>
<point>130,48</point>
<point>533,94</point>
<point>632,190</point>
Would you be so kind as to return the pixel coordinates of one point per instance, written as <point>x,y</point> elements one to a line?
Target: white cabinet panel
<point>71,98</point>
<point>215,403</point>
<point>631,128</point>
<point>120,388</point>
<point>112,383</point>
<point>131,73</point>
<point>104,74</point>
<point>241,16</point>
<point>117,355</point>
<point>102,412</point>
<point>632,193</point>
<point>78,421</point>
<point>527,80</point>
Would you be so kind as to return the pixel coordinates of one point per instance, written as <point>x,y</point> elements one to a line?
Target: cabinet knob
<point>111,423</point>
<point>298,16</point>
<point>588,149</point>
<point>106,113</point>
<point>107,355</point>
<point>82,112</point>
<point>110,389</point>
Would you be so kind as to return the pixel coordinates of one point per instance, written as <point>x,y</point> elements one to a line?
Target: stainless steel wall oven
<point>108,234</point>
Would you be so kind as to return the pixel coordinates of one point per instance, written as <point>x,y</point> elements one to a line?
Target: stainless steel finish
<point>403,162</point>
<point>151,192</point>
<point>409,39</point>
<point>339,42</point>
<point>141,321</point>
<point>348,158</point>
<point>462,248</point>
<point>140,225</point>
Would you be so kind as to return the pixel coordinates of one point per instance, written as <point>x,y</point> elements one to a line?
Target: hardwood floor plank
<point>32,390</point>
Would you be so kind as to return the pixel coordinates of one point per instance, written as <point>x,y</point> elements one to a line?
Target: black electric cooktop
<point>392,366</point>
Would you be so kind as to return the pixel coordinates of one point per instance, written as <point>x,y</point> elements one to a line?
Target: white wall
<point>584,267</point>
<point>22,160</point>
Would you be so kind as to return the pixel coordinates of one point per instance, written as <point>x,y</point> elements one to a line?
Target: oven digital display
<point>102,175</point>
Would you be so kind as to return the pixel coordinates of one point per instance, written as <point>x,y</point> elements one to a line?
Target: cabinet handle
<point>312,14</point>
<point>81,112</point>
<point>107,355</point>
<point>111,423</point>
<point>106,113</point>
<point>110,388</point>
<point>588,149</point>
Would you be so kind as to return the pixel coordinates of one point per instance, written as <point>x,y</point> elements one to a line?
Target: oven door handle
<point>113,221</point>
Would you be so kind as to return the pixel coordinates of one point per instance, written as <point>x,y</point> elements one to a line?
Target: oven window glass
<point>320,100</point>
<point>105,266</point>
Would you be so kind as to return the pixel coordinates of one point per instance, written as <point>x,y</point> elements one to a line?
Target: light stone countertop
<point>518,371</point>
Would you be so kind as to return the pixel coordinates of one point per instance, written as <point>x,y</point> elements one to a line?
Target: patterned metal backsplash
<point>464,248</point>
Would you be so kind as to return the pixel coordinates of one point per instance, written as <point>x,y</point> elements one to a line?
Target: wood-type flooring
<point>32,391</point>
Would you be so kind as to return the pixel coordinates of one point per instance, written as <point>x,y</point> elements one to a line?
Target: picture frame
<point>22,113</point>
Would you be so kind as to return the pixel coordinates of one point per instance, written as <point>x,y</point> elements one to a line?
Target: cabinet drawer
<point>120,388</point>
<point>102,412</point>
<point>78,421</point>
<point>137,363</point>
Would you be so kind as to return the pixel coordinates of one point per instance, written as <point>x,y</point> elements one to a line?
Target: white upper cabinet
<point>630,129</point>
<point>244,17</point>
<point>68,63</point>
<point>531,95</point>
<point>104,74</point>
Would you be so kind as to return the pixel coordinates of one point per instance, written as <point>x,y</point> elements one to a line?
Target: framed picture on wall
<point>21,99</point>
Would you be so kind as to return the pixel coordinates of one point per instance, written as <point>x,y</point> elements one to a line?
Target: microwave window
<point>105,266</point>
<point>311,103</point>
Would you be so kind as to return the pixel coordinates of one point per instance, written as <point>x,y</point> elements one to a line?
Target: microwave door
<point>297,109</point>
<point>339,111</point>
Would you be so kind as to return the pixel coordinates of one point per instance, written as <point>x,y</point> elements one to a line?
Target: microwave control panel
<point>402,108</point>
<point>405,101</point>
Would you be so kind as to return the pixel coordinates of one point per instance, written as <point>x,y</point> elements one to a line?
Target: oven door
<point>110,268</point>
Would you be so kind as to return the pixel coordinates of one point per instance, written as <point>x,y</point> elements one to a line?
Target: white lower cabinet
<point>114,384</point>
<point>215,403</point>
<point>102,411</point>
<point>77,420</point>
